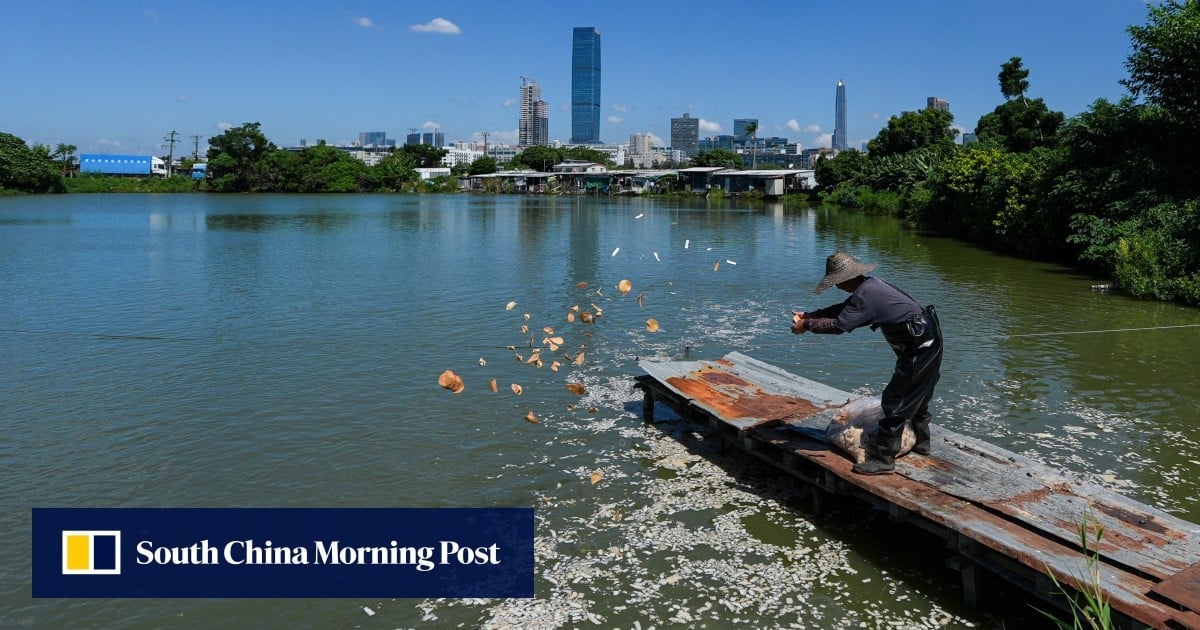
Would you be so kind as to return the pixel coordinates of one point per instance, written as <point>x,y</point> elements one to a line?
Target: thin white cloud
<point>364,22</point>
<point>503,136</point>
<point>815,129</point>
<point>823,140</point>
<point>224,126</point>
<point>655,141</point>
<point>793,125</point>
<point>429,124</point>
<point>709,126</point>
<point>615,119</point>
<point>509,102</point>
<point>181,98</point>
<point>437,25</point>
<point>620,108</point>
<point>876,116</point>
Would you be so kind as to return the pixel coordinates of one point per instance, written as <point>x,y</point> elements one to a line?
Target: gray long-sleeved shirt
<point>874,303</point>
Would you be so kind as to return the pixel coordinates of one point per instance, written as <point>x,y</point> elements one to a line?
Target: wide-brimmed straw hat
<point>840,267</point>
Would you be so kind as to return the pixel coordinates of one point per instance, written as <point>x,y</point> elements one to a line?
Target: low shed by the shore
<point>772,182</point>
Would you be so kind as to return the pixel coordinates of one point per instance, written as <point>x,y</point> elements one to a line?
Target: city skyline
<point>120,78</point>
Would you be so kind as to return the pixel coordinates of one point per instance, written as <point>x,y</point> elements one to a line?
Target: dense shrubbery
<point>1116,188</point>
<point>89,183</point>
<point>242,159</point>
<point>25,169</point>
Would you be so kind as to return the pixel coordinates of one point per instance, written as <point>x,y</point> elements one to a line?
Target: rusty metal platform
<point>1000,511</point>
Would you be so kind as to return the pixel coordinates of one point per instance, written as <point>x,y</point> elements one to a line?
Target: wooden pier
<point>998,511</point>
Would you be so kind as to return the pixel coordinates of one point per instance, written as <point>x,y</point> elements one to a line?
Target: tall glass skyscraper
<point>839,128</point>
<point>585,85</point>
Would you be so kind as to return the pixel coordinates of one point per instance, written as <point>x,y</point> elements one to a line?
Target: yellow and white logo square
<point>91,552</point>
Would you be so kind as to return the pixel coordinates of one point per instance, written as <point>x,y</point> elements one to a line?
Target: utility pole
<point>171,152</point>
<point>196,150</point>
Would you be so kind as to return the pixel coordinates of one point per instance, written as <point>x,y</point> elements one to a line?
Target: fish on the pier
<point>856,422</point>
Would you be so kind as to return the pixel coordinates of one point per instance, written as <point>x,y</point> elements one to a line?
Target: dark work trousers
<point>918,347</point>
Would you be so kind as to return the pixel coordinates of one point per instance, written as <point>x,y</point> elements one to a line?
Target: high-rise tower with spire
<point>839,129</point>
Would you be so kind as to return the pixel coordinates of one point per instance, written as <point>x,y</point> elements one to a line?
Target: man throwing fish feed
<point>913,332</point>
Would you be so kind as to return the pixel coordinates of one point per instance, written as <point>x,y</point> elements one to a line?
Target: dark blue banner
<point>283,552</point>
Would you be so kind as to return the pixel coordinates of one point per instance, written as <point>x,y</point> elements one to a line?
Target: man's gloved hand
<point>799,326</point>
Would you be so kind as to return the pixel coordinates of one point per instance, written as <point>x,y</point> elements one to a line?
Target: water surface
<point>225,351</point>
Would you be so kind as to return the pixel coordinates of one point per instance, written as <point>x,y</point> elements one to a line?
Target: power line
<point>171,151</point>
<point>1111,330</point>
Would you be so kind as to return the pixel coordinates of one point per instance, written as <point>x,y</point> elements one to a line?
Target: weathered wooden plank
<point>1136,535</point>
<point>735,396</point>
<point>1127,592</point>
<point>772,378</point>
<point>1009,503</point>
<point>1183,588</point>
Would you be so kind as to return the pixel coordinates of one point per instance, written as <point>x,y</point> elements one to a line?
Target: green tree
<point>847,166</point>
<point>991,196</point>
<point>396,170</point>
<point>718,157</point>
<point>585,154</point>
<point>901,172</point>
<point>1019,125</point>
<point>914,130</point>
<point>428,156</point>
<point>233,157</point>
<point>279,171</point>
<point>1109,166</point>
<point>1013,79</point>
<point>538,158</point>
<point>483,165</point>
<point>1133,209</point>
<point>64,154</point>
<point>1164,66</point>
<point>27,169</point>
<point>326,169</point>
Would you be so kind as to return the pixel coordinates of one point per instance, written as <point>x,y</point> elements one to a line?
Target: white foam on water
<point>664,527</point>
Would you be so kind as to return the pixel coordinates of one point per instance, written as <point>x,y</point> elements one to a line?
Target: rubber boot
<point>881,460</point>
<point>920,426</point>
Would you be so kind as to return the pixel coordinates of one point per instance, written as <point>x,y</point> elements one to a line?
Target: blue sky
<point>119,76</point>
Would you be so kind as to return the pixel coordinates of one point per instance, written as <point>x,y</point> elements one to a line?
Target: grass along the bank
<point>114,184</point>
